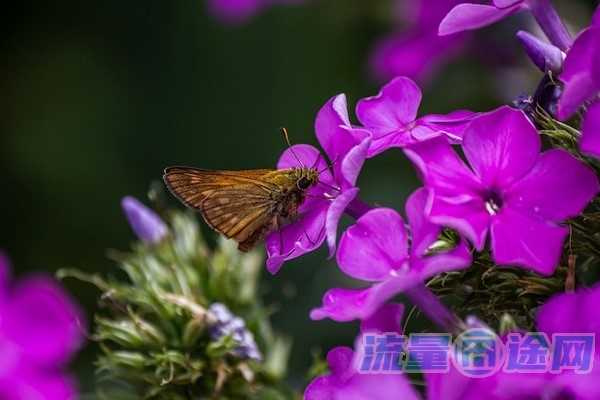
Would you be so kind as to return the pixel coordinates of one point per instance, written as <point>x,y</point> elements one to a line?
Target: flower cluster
<point>565,313</point>
<point>228,324</point>
<point>40,330</point>
<point>493,189</point>
<point>185,323</point>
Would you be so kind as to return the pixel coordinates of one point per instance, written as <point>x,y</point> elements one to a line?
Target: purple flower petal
<point>392,109</point>
<point>573,184</point>
<point>340,141</point>
<point>26,384</point>
<point>506,3</point>
<point>344,305</point>
<point>468,16</point>
<point>353,161</point>
<point>40,318</point>
<point>349,304</point>
<point>423,231</point>
<point>340,360</point>
<point>574,313</point>
<point>331,120</point>
<point>590,138</point>
<point>301,155</point>
<point>577,386</point>
<point>387,319</point>
<point>454,192</point>
<point>424,234</point>
<point>452,260</point>
<point>596,17</point>
<point>468,216</point>
<point>579,83</point>
<point>571,313</point>
<point>519,239</point>
<point>399,139</point>
<point>334,213</point>
<point>374,247</point>
<point>501,146</point>
<point>441,167</point>
<point>146,224</point>
<point>454,117</point>
<point>421,133</point>
<point>345,383</point>
<point>451,125</point>
<point>455,385</point>
<point>562,313</point>
<point>298,238</point>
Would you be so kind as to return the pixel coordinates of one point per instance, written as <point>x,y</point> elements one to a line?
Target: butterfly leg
<point>316,160</point>
<point>337,189</point>
<point>280,222</point>
<point>289,253</point>
<point>328,198</point>
<point>314,242</point>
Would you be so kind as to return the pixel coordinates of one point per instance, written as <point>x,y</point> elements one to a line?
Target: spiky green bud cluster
<point>161,339</point>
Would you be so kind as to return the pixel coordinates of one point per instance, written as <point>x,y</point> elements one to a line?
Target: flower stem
<point>550,22</point>
<point>357,208</point>
<point>422,297</point>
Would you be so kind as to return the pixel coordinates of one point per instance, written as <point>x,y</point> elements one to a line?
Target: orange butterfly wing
<point>238,204</point>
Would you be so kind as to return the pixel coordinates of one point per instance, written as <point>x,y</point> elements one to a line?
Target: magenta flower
<point>575,313</point>
<point>146,224</point>
<point>346,383</point>
<point>581,78</point>
<point>240,11</point>
<point>590,138</point>
<point>391,117</point>
<point>581,72</point>
<point>417,51</point>
<point>39,332</point>
<point>376,249</point>
<point>510,189</point>
<point>326,202</point>
<point>469,16</point>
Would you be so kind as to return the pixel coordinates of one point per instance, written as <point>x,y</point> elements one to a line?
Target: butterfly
<point>243,205</point>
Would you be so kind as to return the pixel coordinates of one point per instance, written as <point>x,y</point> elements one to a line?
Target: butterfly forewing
<point>238,204</point>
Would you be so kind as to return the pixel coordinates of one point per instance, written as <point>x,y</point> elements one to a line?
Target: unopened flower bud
<point>544,55</point>
<point>146,224</point>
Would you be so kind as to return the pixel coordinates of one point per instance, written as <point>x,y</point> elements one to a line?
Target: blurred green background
<point>98,97</point>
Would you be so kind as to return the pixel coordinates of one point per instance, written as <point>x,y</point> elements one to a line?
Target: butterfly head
<point>306,178</point>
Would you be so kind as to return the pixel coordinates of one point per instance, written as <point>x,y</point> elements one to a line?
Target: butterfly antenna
<point>287,140</point>
<point>329,166</point>
<point>316,161</point>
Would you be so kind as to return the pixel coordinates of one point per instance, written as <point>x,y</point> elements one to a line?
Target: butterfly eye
<point>303,183</point>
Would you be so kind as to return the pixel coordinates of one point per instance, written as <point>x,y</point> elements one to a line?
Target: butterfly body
<point>243,205</point>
